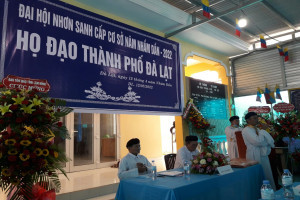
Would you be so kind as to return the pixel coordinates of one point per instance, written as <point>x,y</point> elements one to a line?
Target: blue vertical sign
<point>89,60</point>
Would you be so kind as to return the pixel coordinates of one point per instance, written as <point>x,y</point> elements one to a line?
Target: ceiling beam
<point>279,15</point>
<point>226,12</point>
<point>225,21</point>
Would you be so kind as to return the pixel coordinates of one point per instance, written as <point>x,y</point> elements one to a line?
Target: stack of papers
<point>170,173</point>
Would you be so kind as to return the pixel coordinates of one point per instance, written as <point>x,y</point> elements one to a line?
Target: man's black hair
<point>249,114</point>
<point>132,142</point>
<point>191,138</point>
<point>233,118</point>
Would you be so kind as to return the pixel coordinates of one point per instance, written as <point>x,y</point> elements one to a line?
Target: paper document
<point>170,173</point>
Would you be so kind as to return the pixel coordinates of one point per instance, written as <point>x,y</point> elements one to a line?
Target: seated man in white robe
<point>259,144</point>
<point>230,136</point>
<point>133,164</point>
<point>187,152</point>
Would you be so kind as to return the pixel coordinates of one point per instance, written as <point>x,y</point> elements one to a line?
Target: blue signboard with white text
<point>89,60</point>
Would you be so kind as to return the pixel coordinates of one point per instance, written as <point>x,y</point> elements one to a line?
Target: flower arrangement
<point>194,116</point>
<point>207,162</point>
<point>207,145</point>
<point>198,123</point>
<point>29,122</point>
<point>286,125</point>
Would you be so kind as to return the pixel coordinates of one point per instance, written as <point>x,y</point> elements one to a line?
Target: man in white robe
<point>230,136</point>
<point>187,152</point>
<point>133,164</point>
<point>259,144</point>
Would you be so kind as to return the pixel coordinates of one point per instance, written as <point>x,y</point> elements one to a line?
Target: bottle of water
<point>153,171</point>
<point>187,170</point>
<point>267,191</point>
<point>287,182</point>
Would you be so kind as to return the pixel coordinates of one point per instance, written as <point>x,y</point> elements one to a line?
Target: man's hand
<point>141,167</point>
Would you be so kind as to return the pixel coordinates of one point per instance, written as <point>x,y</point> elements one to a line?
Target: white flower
<point>195,161</point>
<point>202,161</point>
<point>215,163</point>
<point>209,154</point>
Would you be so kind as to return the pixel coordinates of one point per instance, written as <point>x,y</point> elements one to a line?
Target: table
<point>241,184</point>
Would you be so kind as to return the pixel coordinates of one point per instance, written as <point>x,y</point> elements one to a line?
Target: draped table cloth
<point>243,184</point>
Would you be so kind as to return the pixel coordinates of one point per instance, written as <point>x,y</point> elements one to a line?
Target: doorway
<point>94,141</point>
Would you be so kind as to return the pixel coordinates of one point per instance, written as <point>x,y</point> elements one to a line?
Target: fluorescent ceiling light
<point>242,23</point>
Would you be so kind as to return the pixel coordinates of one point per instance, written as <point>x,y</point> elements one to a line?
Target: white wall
<point>166,122</point>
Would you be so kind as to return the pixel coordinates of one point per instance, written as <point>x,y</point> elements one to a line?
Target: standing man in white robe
<point>259,144</point>
<point>133,164</point>
<point>230,136</point>
<point>187,152</point>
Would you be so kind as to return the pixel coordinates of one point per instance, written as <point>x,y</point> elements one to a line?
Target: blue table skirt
<point>242,184</point>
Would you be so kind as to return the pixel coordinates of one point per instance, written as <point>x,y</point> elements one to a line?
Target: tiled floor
<point>88,179</point>
<point>83,180</point>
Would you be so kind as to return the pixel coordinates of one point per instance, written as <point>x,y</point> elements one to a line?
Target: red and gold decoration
<point>205,6</point>
<point>29,123</point>
<point>258,94</point>
<point>286,54</point>
<point>280,50</point>
<point>269,95</point>
<point>277,91</point>
<point>237,28</point>
<point>263,43</point>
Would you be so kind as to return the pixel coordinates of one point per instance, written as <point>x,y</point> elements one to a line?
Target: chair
<point>170,160</point>
<point>241,144</point>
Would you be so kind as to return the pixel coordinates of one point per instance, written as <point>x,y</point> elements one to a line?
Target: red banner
<point>16,82</point>
<point>284,107</point>
<point>259,109</point>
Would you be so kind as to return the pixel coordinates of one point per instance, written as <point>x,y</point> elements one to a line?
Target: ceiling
<point>183,19</point>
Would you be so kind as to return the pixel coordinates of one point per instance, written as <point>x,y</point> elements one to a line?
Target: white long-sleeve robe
<point>258,148</point>
<point>183,155</point>
<point>128,168</point>
<point>231,141</point>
